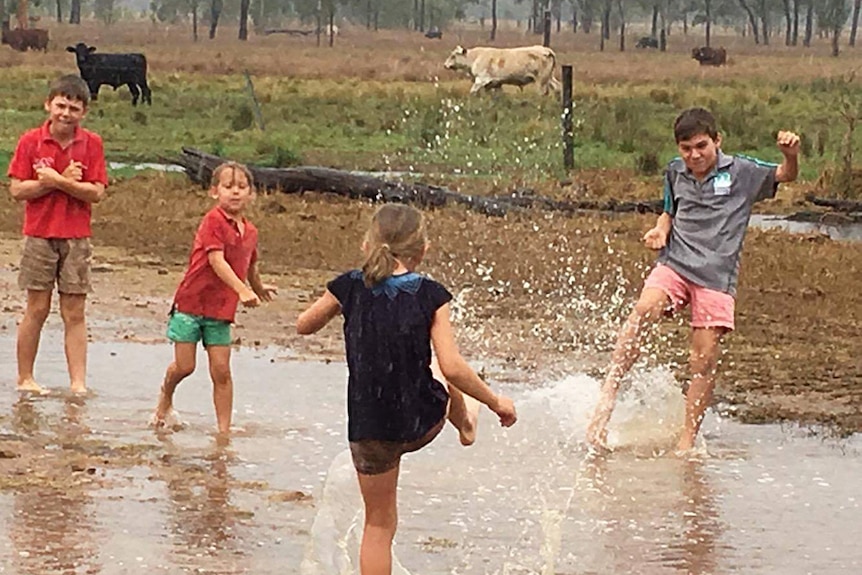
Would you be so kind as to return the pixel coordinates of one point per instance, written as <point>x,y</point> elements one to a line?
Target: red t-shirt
<point>202,292</point>
<point>57,214</point>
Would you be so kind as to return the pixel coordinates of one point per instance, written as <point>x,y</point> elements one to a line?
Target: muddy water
<point>281,497</point>
<point>846,232</point>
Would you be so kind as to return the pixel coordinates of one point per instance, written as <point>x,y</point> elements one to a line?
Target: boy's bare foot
<point>168,421</point>
<point>29,384</point>
<point>78,388</point>
<point>597,438</point>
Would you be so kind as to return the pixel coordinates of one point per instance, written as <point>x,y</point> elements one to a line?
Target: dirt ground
<point>537,293</point>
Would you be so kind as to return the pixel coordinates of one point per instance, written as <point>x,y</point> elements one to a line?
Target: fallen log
<point>199,166</point>
<point>838,205</point>
<point>288,31</point>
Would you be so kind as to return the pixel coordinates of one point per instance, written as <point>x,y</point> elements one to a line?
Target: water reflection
<point>662,511</point>
<point>204,524</point>
<point>51,526</point>
<point>525,501</point>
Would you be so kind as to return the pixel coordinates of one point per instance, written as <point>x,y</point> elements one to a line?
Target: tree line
<point>792,22</point>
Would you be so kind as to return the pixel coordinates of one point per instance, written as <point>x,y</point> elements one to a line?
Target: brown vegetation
<point>389,55</point>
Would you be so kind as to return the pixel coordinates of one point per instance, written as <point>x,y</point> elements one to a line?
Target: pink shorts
<point>709,307</point>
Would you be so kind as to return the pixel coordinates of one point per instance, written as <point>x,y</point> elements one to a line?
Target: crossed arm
<point>49,179</point>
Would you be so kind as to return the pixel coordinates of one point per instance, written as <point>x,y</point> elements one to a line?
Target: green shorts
<point>187,328</point>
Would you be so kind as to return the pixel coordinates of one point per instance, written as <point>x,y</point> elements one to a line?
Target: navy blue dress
<point>391,393</point>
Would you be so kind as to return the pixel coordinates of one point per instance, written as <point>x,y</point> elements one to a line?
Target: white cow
<point>493,67</point>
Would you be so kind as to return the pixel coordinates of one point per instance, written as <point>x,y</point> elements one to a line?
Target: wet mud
<point>536,293</point>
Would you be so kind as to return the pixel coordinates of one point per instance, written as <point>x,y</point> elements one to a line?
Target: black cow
<point>709,56</point>
<point>434,32</point>
<point>113,70</point>
<point>647,42</point>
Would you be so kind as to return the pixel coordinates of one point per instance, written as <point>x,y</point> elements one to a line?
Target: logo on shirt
<point>43,163</point>
<point>721,184</point>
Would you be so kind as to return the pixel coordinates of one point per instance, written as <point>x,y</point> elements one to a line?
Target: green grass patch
<point>356,124</point>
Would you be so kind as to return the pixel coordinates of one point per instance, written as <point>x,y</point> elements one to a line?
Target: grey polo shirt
<point>710,218</point>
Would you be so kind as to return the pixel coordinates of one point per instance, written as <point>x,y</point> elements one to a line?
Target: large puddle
<point>526,500</point>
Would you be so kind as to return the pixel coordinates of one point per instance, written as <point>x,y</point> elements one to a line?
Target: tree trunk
<point>59,11</point>
<point>788,30</point>
<point>654,27</point>
<point>559,17</point>
<point>764,22</point>
<point>751,19</point>
<point>587,20</point>
<point>416,14</point>
<point>622,25</point>
<point>574,18</point>
<point>243,19</point>
<point>199,167</point>
<point>493,20</point>
<point>75,12</point>
<point>215,13</point>
<point>795,39</point>
<point>421,16</point>
<point>855,23</point>
<point>708,21</point>
<point>369,13</point>
<point>194,20</point>
<point>606,20</point>
<point>809,24</point>
<point>835,34</point>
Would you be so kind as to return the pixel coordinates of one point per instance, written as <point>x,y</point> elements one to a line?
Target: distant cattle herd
<point>490,68</point>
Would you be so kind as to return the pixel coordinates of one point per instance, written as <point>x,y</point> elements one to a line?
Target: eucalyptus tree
<point>832,15</point>
<point>855,22</point>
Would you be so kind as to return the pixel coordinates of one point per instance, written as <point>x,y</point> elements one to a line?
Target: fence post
<point>546,23</point>
<point>568,124</point>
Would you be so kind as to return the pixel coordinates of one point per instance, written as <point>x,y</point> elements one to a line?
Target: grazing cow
<point>113,70</point>
<point>647,42</point>
<point>23,40</point>
<point>325,30</point>
<point>491,68</point>
<point>434,33</point>
<point>709,56</point>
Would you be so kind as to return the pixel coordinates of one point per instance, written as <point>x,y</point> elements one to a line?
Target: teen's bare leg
<point>29,332</point>
<point>179,369</point>
<point>379,492</point>
<point>462,411</point>
<point>72,310</point>
<point>219,358</point>
<point>648,310</point>
<point>702,364</point>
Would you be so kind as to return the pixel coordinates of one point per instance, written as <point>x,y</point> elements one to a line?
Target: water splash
<point>337,528</point>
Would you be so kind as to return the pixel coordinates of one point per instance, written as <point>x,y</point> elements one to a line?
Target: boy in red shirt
<point>223,256</point>
<point>58,169</point>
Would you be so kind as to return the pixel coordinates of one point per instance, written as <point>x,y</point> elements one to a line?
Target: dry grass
<point>389,55</point>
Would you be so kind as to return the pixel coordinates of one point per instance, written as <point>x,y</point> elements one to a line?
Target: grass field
<point>383,101</point>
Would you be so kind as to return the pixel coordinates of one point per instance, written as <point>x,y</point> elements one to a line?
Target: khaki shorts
<point>65,263</point>
<point>372,457</point>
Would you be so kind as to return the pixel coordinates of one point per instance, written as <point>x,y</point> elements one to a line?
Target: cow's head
<point>81,51</point>
<point>457,59</point>
<point>703,53</point>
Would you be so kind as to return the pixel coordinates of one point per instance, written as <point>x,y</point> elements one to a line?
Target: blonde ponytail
<point>379,265</point>
<point>397,232</point>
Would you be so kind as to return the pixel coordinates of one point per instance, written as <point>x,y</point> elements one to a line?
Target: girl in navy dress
<point>392,318</point>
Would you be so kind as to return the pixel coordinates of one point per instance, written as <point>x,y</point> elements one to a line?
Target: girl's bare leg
<point>219,356</point>
<point>379,492</point>
<point>463,410</point>
<point>182,367</point>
